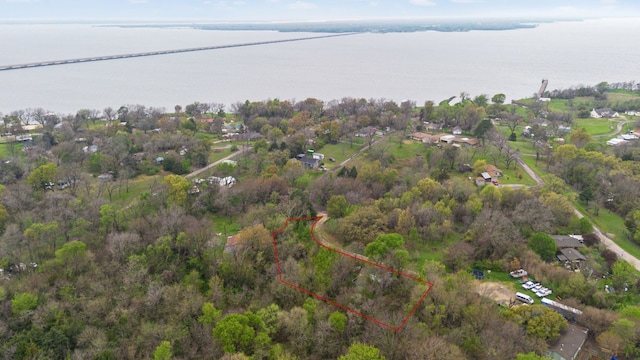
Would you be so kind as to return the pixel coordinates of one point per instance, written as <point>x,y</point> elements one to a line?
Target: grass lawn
<point>339,151</point>
<point>500,276</point>
<point>404,150</point>
<point>225,226</point>
<point>596,126</point>
<point>218,153</point>
<point>137,186</point>
<point>559,105</point>
<point>523,144</point>
<point>419,257</point>
<point>621,95</point>
<point>10,149</point>
<point>612,224</point>
<point>515,175</point>
<point>538,168</point>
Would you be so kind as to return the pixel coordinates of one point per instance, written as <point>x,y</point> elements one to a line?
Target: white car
<point>543,293</point>
<point>528,285</point>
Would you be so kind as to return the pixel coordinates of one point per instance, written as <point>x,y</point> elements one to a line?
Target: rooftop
<point>569,254</point>
<point>569,344</point>
<point>565,241</point>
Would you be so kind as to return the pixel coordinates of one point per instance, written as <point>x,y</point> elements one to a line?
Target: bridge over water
<point>155,53</point>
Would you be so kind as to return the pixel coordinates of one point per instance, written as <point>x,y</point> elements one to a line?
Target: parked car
<point>544,292</point>
<point>332,159</point>
<point>495,182</point>
<point>528,285</point>
<point>518,273</point>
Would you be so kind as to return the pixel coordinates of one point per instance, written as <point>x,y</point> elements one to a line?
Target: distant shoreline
<point>355,26</point>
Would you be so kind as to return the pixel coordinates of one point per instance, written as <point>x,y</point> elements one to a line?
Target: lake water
<point>398,66</point>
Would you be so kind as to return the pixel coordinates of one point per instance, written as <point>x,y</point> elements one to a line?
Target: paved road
<point>604,239</point>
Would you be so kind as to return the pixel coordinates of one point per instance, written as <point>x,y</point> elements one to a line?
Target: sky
<point>308,10</point>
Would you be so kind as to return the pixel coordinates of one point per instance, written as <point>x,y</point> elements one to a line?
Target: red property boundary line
<point>356,257</point>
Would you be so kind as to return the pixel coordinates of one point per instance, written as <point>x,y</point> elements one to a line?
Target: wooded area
<point>110,248</point>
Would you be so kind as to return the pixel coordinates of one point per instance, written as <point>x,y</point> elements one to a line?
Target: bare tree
<point>510,156</point>
<point>513,121</point>
<point>39,115</point>
<point>109,113</point>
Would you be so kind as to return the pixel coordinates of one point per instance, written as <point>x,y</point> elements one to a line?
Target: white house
<point>604,113</point>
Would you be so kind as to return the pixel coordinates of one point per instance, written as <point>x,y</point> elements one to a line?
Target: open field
<point>218,153</point>
<point>622,95</point>
<point>8,149</point>
<point>596,126</point>
<point>137,187</point>
<point>340,151</point>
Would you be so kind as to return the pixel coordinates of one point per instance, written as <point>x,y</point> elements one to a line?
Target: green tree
<point>539,320</point>
<point>42,175</point>
<point>209,314</point>
<point>482,128</point>
<point>72,253</point>
<point>363,225</point>
<point>269,316</point>
<point>481,100</point>
<point>337,206</point>
<point>178,187</point>
<point>498,98</point>
<point>23,302</point>
<point>360,351</point>
<point>338,321</point>
<point>234,333</point>
<point>543,245</point>
<point>580,138</point>
<point>585,226</point>
<point>623,275</point>
<point>241,332</point>
<point>38,234</point>
<point>111,218</point>
<point>380,247</point>
<point>163,351</point>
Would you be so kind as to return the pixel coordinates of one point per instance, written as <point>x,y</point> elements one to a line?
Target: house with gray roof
<point>604,113</point>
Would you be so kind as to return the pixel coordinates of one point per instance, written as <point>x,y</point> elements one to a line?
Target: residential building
<point>568,253</point>
<point>604,113</point>
<point>569,344</point>
<point>493,171</point>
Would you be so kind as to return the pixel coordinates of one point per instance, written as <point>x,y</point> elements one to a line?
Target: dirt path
<point>618,128</point>
<point>502,294</point>
<point>318,235</point>
<point>199,171</point>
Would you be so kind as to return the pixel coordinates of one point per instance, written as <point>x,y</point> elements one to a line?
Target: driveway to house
<point>199,171</point>
<point>604,239</point>
<point>618,128</point>
<point>611,245</point>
